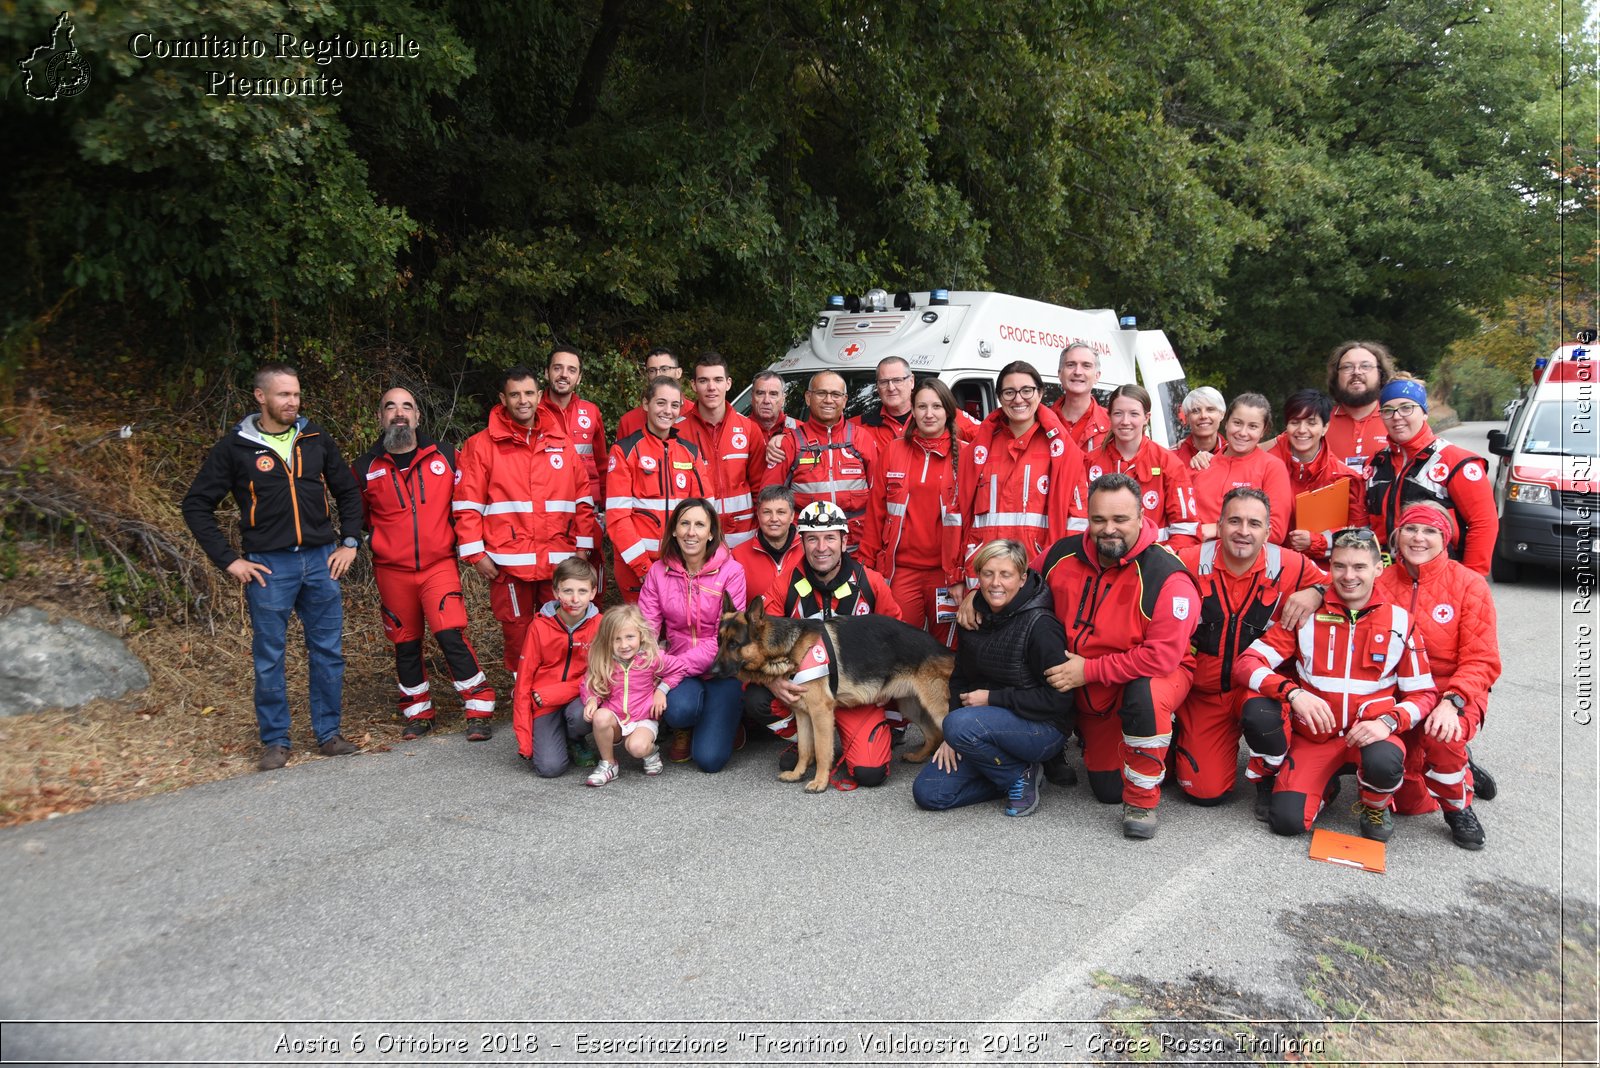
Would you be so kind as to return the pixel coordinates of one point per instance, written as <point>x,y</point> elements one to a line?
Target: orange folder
<point>1322,509</point>
<point>1347,850</point>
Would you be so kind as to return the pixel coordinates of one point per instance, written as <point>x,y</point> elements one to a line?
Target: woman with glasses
<point>1451,606</point>
<point>1418,465</point>
<point>1023,478</point>
<point>1165,491</point>
<point>1243,462</point>
<point>912,534</point>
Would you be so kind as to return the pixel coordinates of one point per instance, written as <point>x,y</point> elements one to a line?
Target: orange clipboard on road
<point>1322,509</point>
<point>1348,851</point>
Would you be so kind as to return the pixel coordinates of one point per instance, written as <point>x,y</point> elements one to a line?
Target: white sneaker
<point>652,761</point>
<point>603,773</point>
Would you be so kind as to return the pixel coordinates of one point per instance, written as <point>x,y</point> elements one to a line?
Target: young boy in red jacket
<point>546,712</point>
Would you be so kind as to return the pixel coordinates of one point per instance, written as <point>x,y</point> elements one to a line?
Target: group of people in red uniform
<point>1197,609</point>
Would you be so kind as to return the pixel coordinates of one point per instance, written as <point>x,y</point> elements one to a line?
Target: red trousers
<point>431,597</point>
<point>917,594</point>
<point>1437,772</point>
<point>1311,764</point>
<point>515,603</point>
<point>1206,761</point>
<point>1130,742</point>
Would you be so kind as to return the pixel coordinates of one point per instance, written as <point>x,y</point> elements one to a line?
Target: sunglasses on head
<point>1354,536</point>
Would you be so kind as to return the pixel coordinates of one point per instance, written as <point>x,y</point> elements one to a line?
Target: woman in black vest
<point>1005,719</point>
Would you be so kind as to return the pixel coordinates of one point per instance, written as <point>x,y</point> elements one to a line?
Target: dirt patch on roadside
<point>1510,979</point>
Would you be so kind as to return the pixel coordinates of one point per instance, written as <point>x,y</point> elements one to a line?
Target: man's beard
<point>399,437</point>
<point>1356,400</point>
<point>1111,546</point>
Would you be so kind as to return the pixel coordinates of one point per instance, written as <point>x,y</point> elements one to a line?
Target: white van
<point>1545,487</point>
<point>965,338</point>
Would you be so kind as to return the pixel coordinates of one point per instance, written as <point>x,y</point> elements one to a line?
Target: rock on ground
<point>61,665</point>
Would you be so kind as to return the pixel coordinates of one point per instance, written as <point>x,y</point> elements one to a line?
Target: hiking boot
<point>337,746</point>
<point>416,728</point>
<point>678,751</point>
<point>1483,784</point>
<point>1376,823</point>
<point>789,759</point>
<point>1023,797</point>
<point>583,752</point>
<point>1058,772</point>
<point>478,730</point>
<point>1465,830</point>
<point>1264,799</point>
<point>652,761</point>
<point>1138,822</point>
<point>273,757</point>
<point>603,773</point>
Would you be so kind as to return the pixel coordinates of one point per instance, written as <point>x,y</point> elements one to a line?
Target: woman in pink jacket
<point>624,691</point>
<point>682,597</point>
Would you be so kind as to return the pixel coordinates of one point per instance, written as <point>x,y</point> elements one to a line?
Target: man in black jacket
<point>276,464</point>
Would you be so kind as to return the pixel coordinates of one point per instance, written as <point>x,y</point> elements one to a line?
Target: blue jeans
<point>299,583</point>
<point>996,747</point>
<point>712,708</point>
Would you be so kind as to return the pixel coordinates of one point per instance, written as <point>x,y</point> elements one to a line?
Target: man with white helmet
<point>828,583</point>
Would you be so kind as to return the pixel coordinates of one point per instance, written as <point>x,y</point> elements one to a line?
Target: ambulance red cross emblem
<point>850,351</point>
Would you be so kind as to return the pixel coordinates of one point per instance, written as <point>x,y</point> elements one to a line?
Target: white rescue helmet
<point>819,516</point>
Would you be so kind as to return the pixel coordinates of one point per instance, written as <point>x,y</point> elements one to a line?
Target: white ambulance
<point>1546,487</point>
<point>965,338</point>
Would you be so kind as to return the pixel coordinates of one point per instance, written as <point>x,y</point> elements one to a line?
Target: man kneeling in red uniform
<point>1129,609</point>
<point>1363,681</point>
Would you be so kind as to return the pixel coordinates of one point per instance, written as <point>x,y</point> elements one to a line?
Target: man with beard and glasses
<point>1129,609</point>
<point>1357,373</point>
<point>406,482</point>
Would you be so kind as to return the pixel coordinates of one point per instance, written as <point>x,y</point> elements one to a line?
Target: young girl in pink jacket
<point>625,689</point>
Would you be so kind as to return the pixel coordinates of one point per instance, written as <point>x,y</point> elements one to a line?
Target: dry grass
<point>99,538</point>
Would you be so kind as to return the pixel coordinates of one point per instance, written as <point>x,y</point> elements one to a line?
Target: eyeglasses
<point>1025,392</point>
<point>902,380</point>
<point>1346,368</point>
<point>828,394</point>
<point>1404,411</point>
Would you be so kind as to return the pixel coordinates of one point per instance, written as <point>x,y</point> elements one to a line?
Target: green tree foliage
<point>1261,179</point>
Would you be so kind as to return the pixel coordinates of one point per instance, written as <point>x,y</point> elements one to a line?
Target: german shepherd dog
<point>871,659</point>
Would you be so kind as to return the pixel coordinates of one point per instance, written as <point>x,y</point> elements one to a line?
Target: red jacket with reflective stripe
<point>408,511</point>
<point>1452,609</point>
<point>913,512</point>
<point>826,463</point>
<point>734,452</point>
<point>1324,469</point>
<point>646,478</point>
<point>884,427</point>
<point>1260,469</point>
<point>1364,663</point>
<point>522,498</point>
<point>587,431</point>
<point>1164,487</point>
<point>1129,621</point>
<point>1027,489</point>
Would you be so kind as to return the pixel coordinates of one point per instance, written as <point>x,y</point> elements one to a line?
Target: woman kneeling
<point>1005,719</point>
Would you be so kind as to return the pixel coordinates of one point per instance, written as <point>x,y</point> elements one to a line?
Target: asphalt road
<point>413,893</point>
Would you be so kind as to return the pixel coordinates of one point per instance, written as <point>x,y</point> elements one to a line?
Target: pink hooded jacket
<point>633,686</point>
<point>691,609</point>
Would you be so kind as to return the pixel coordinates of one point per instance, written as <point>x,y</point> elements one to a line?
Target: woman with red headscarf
<point>1452,609</point>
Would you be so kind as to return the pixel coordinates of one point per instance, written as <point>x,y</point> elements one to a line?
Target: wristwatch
<point>350,543</point>
<point>1457,700</point>
<point>1389,721</point>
